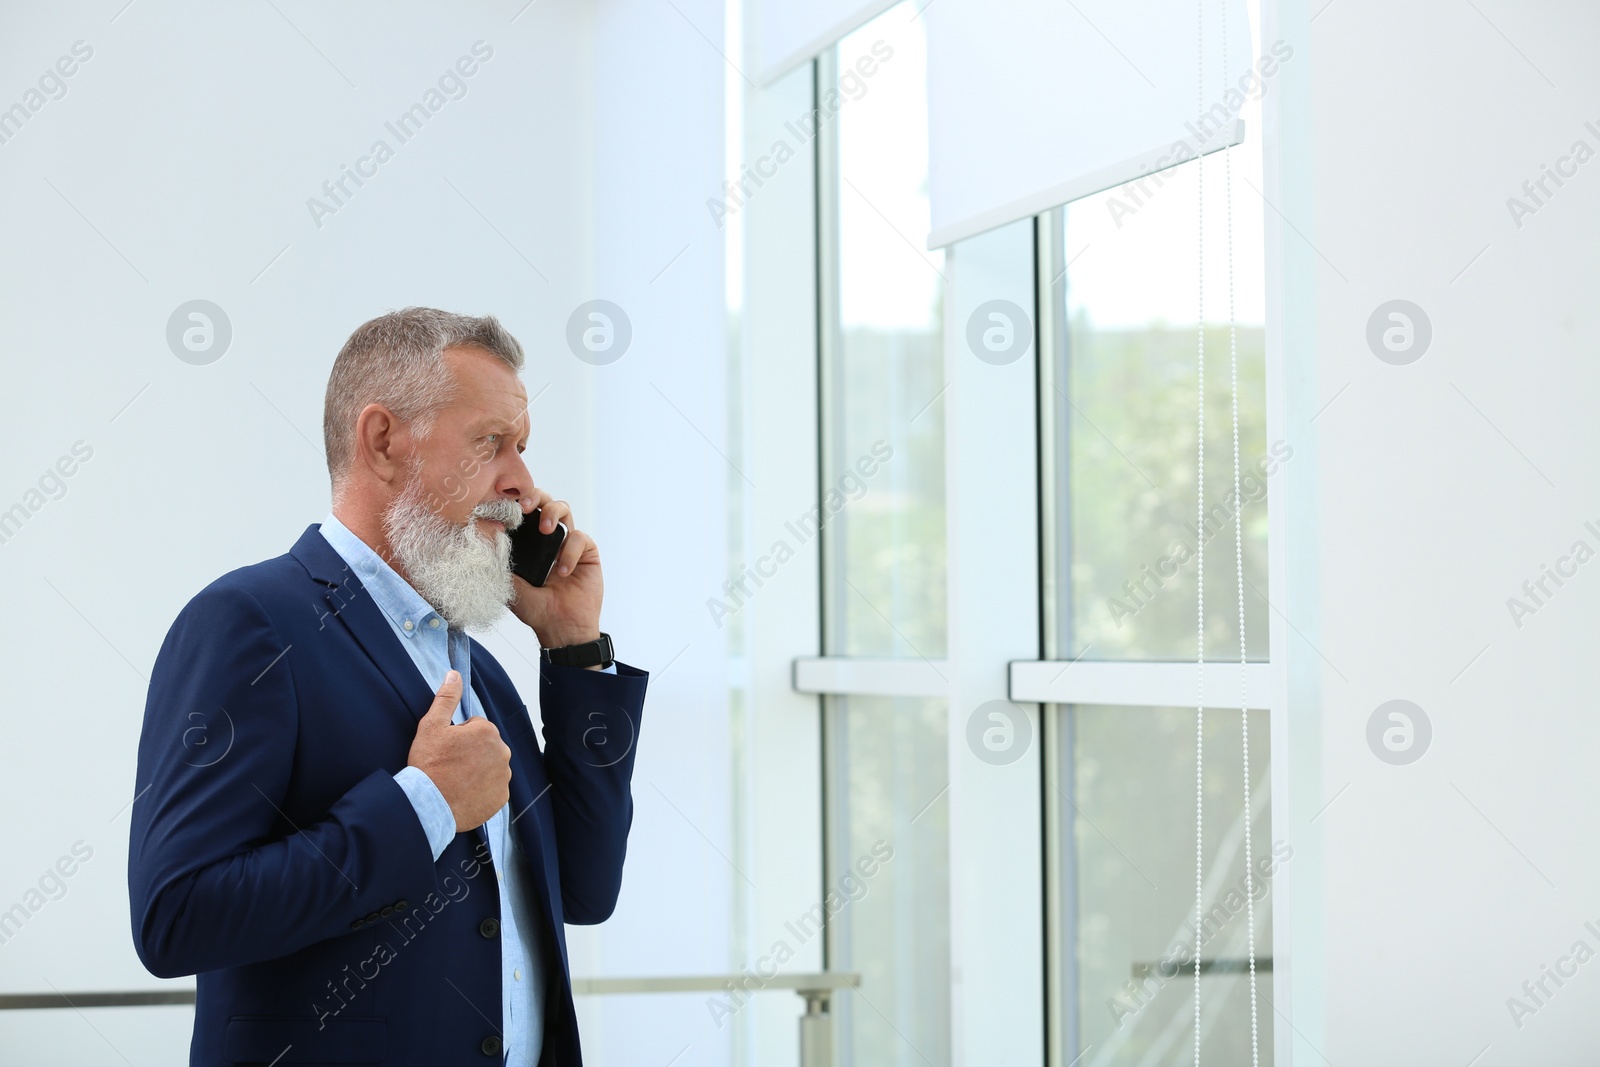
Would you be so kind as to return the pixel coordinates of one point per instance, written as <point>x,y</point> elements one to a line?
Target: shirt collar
<point>404,606</point>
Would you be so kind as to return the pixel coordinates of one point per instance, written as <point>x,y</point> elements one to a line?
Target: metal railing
<point>816,1025</point>
<point>120,999</point>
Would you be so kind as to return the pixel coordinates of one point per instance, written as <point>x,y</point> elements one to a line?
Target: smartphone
<point>533,553</point>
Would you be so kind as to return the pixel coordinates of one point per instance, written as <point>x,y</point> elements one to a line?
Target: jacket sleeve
<point>219,874</point>
<point>591,734</point>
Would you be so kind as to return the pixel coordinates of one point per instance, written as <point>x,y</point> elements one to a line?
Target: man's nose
<point>518,482</point>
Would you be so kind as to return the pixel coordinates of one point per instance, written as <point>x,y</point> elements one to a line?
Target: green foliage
<point>1131,491</point>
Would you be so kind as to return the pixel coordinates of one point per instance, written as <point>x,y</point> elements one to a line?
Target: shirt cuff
<point>433,811</point>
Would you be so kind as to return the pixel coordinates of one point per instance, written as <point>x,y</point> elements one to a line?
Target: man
<point>345,824</point>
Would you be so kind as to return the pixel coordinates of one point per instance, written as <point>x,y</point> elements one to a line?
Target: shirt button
<point>434,622</point>
<point>408,624</point>
<point>517,974</point>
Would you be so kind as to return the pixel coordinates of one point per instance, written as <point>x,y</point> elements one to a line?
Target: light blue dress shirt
<point>436,648</point>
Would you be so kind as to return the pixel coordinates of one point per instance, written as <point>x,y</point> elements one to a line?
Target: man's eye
<point>493,438</point>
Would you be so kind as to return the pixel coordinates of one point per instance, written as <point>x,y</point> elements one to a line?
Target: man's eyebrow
<point>496,423</point>
<point>488,422</point>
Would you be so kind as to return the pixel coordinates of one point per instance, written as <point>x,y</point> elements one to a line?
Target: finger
<point>445,700</point>
<point>553,512</point>
<point>480,724</point>
<point>577,546</point>
<point>483,725</point>
<point>533,499</point>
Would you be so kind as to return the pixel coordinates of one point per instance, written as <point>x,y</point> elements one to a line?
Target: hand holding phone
<point>533,552</point>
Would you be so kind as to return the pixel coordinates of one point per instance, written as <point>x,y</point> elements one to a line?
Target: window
<point>884,373</point>
<point>1121,554</point>
<point>886,776</point>
<point>1128,799</point>
<point>1113,294</point>
<point>882,488</point>
<point>1126,297</point>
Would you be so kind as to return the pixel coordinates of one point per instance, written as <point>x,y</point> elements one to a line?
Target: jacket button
<point>401,905</point>
<point>489,927</point>
<point>386,911</point>
<point>491,1046</point>
<point>358,924</point>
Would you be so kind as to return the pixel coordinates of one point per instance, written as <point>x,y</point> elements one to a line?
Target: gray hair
<point>397,360</point>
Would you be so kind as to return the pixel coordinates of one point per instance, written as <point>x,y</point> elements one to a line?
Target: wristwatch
<point>589,654</point>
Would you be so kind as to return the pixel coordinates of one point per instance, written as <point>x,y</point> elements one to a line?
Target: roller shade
<point>791,32</point>
<point>1033,103</point>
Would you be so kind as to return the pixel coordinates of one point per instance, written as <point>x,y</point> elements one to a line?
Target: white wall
<point>177,166</point>
<point>660,424</point>
<point>1420,498</point>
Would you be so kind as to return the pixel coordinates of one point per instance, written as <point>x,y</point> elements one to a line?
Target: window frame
<point>1043,685</point>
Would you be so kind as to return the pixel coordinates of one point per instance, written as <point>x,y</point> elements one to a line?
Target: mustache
<point>505,511</point>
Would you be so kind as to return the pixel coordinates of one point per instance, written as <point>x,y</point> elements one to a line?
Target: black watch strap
<point>589,654</point>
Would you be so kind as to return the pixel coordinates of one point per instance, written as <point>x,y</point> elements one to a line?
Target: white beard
<point>465,576</point>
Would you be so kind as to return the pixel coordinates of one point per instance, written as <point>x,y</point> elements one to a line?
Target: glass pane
<point>1128,851</point>
<point>884,558</point>
<point>889,864</point>
<point>1128,415</point>
<point>883,461</point>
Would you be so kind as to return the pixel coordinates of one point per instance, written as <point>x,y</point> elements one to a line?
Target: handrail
<point>120,999</point>
<point>801,983</point>
<point>714,983</point>
<point>816,1025</point>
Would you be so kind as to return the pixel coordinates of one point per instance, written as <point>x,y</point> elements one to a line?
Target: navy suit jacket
<point>273,855</point>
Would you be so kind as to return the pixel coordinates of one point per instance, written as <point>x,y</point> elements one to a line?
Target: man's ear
<point>382,443</point>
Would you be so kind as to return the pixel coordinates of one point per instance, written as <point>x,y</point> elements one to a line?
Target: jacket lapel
<point>528,781</point>
<point>340,600</point>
